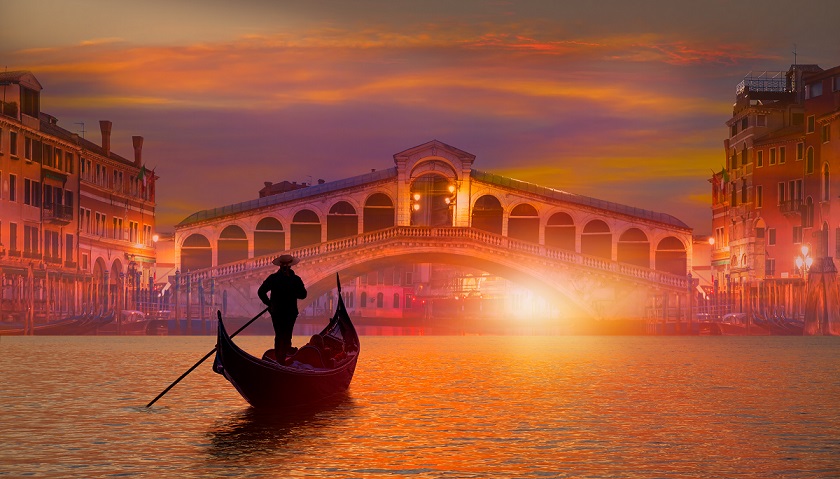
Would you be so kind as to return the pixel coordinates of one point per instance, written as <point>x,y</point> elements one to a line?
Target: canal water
<point>433,407</point>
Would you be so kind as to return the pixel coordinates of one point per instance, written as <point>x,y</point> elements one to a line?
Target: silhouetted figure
<point>286,288</point>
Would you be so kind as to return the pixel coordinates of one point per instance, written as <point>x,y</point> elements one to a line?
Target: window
<point>733,130</point>
<point>13,146</point>
<point>13,247</point>
<point>409,278</point>
<point>797,192</point>
<point>68,162</point>
<point>84,220</point>
<point>12,187</point>
<point>396,300</point>
<point>744,191</point>
<point>781,198</point>
<point>27,191</point>
<point>68,247</point>
<point>770,266</point>
<point>99,224</point>
<point>811,124</point>
<point>781,155</point>
<point>814,90</point>
<point>380,300</point>
<point>825,133</point>
<point>745,122</point>
<point>117,228</point>
<point>147,235</point>
<point>826,191</point>
<point>363,299</point>
<point>759,158</point>
<point>133,231</point>
<point>772,156</point>
<point>759,196</point>
<point>797,234</point>
<point>809,161</point>
<point>800,151</point>
<point>771,236</point>
<point>30,102</point>
<point>409,300</point>
<point>30,239</point>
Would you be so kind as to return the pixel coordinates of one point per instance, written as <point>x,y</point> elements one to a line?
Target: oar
<point>204,358</point>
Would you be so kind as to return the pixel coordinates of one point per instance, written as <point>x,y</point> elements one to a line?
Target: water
<point>433,407</point>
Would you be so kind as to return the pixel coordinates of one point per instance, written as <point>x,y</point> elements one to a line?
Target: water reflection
<point>251,432</point>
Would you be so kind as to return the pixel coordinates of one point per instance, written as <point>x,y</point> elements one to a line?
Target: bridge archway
<point>634,248</point>
<point>196,253</point>
<point>596,239</point>
<point>269,237</point>
<point>379,212</point>
<point>306,228</point>
<point>671,256</point>
<point>560,231</point>
<point>232,245</point>
<point>431,200</point>
<point>342,221</point>
<point>487,214</point>
<point>524,223</point>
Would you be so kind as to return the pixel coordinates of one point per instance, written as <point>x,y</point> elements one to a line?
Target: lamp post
<point>803,263</point>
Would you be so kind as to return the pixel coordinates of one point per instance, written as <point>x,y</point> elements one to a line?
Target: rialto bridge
<point>596,259</point>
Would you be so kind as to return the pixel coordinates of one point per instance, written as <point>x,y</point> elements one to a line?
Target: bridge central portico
<point>599,259</point>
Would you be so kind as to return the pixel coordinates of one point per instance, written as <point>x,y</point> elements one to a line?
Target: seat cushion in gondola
<point>309,355</point>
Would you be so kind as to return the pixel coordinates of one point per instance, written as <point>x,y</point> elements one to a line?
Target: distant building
<point>771,204</point>
<point>76,220</point>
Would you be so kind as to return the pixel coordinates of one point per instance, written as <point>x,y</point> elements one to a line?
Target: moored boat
<point>267,384</point>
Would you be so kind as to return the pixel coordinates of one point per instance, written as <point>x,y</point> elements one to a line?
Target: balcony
<point>58,214</point>
<point>791,207</point>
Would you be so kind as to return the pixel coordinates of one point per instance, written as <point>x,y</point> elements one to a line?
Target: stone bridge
<point>595,258</point>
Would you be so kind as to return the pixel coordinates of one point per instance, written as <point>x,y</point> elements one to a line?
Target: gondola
<point>266,384</point>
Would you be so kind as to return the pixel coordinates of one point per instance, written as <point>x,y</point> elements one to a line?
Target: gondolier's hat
<point>286,260</point>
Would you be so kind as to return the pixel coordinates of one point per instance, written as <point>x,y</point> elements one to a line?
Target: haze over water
<point>433,407</point>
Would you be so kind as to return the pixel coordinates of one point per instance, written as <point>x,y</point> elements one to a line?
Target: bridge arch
<point>432,194</point>
<point>524,223</point>
<point>306,228</point>
<point>196,253</point>
<point>342,220</point>
<point>487,214</point>
<point>634,248</point>
<point>560,231</point>
<point>379,212</point>
<point>596,239</point>
<point>671,256</point>
<point>269,237</point>
<point>232,245</point>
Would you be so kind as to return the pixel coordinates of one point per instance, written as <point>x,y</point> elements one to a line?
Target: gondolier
<point>286,288</point>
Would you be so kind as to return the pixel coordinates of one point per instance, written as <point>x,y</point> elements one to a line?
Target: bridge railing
<point>473,234</point>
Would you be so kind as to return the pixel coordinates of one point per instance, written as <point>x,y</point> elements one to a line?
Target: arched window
<point>396,300</point>
<point>378,213</point>
<point>808,213</point>
<point>671,256</point>
<point>634,248</point>
<point>826,189</point>
<point>232,244</point>
<point>269,237</point>
<point>596,240</point>
<point>524,223</point>
<point>487,214</point>
<point>809,160</point>
<point>560,232</point>
<point>306,229</point>
<point>342,221</point>
<point>196,253</point>
<point>363,299</point>
<point>380,300</point>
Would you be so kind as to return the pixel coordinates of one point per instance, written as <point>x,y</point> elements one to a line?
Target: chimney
<point>138,149</point>
<point>105,126</point>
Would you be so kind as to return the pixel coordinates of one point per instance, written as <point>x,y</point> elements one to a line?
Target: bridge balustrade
<point>491,239</point>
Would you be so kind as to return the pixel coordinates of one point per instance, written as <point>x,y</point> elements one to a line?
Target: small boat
<point>266,384</point>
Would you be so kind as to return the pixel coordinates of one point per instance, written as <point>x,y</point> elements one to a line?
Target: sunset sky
<point>620,100</point>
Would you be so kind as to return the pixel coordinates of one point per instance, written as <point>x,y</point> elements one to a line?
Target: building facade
<point>76,219</point>
<point>771,203</point>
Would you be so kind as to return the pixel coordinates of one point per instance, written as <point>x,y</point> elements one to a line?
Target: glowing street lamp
<point>804,261</point>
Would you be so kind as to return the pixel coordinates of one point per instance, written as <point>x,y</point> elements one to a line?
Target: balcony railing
<point>791,207</point>
<point>61,214</point>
